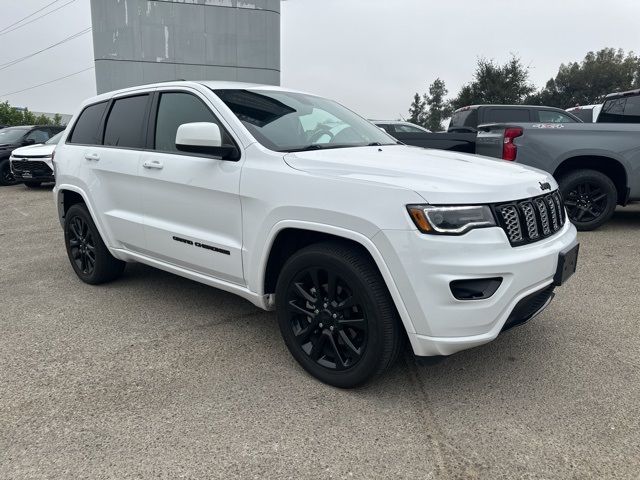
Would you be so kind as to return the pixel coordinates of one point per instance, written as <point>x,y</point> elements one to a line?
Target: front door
<point>191,203</point>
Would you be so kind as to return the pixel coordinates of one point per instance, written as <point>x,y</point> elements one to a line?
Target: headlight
<point>451,220</point>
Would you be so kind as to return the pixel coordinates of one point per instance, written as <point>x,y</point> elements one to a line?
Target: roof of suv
<point>532,107</point>
<point>629,93</point>
<point>213,85</point>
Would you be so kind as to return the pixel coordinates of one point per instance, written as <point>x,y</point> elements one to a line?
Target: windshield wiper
<point>319,146</point>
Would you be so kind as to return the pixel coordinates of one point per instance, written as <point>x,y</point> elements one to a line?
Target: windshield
<point>12,135</point>
<point>287,122</point>
<point>55,139</point>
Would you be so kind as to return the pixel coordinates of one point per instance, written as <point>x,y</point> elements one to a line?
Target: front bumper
<point>423,266</point>
<point>35,170</point>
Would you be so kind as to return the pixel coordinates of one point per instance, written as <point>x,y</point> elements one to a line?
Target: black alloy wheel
<point>327,318</point>
<point>82,246</point>
<point>336,315</point>
<point>586,202</point>
<point>590,198</point>
<point>89,256</point>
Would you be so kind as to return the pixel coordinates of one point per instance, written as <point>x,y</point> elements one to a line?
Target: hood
<point>39,150</point>
<point>439,176</point>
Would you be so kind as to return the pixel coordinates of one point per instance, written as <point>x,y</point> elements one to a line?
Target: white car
<point>586,113</point>
<point>33,165</point>
<point>298,204</point>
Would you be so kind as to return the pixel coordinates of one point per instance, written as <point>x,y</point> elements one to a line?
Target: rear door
<point>113,167</point>
<point>193,217</point>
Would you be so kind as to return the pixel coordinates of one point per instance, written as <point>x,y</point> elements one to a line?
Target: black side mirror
<point>224,152</point>
<point>28,141</point>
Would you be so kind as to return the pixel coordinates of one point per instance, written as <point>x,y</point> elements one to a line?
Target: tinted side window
<point>632,110</point>
<point>86,128</point>
<point>499,115</point>
<point>613,111</point>
<point>176,108</point>
<point>38,136</point>
<point>464,118</point>
<point>549,116</point>
<point>126,122</point>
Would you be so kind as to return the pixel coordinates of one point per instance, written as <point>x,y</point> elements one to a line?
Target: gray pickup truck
<point>597,165</point>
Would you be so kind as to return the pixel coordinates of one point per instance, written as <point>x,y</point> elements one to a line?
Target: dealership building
<point>144,41</point>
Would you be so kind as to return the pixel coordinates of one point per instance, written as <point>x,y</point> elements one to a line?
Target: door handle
<point>153,164</point>
<point>92,157</point>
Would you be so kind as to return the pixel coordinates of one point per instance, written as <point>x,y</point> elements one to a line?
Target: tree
<point>438,107</point>
<point>583,83</point>
<point>417,110</point>
<point>497,84</point>
<point>13,116</point>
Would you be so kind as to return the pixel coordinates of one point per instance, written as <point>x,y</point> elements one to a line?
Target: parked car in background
<point>33,165</point>
<point>463,125</point>
<point>467,119</point>
<point>596,164</point>
<point>396,126</point>
<point>298,204</point>
<point>623,107</point>
<point>586,113</point>
<point>16,137</point>
<point>411,134</point>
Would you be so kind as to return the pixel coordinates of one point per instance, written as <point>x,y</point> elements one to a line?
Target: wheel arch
<point>69,195</point>
<point>288,237</point>
<point>609,166</point>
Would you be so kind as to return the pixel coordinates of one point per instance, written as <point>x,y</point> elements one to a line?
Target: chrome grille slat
<point>533,219</point>
<point>544,215</point>
<point>554,214</point>
<point>530,219</point>
<point>512,223</point>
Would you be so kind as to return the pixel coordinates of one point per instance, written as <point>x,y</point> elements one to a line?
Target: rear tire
<point>87,253</point>
<point>32,184</point>
<point>590,198</point>
<point>336,315</point>
<point>6,177</point>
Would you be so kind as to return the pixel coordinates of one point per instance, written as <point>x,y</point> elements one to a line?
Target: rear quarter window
<point>86,129</point>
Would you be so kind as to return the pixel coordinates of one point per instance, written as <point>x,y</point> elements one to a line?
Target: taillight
<point>509,149</point>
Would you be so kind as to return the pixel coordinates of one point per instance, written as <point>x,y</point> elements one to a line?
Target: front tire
<point>6,176</point>
<point>336,315</point>
<point>590,198</point>
<point>87,253</point>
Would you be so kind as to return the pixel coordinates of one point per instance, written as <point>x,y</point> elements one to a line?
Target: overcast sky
<point>371,55</point>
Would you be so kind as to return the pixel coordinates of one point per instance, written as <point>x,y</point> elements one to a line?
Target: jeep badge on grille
<point>545,186</point>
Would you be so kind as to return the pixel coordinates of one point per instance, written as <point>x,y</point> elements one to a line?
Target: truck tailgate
<point>490,139</point>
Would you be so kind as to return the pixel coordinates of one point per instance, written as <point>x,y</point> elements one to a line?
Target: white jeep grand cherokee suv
<point>298,204</point>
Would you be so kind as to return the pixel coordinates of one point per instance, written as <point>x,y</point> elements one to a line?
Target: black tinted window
<point>632,110</point>
<point>178,108</point>
<point>126,122</point>
<point>86,128</point>
<point>499,115</point>
<point>464,118</point>
<point>613,111</point>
